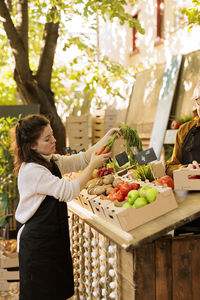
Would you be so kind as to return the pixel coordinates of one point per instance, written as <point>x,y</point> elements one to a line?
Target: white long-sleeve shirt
<point>35,182</point>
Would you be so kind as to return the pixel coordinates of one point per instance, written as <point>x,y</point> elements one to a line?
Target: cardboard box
<point>182,180</point>
<point>77,200</point>
<point>98,205</point>
<point>158,169</point>
<point>130,218</point>
<point>85,200</point>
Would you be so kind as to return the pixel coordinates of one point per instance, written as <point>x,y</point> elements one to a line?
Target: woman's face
<point>46,144</point>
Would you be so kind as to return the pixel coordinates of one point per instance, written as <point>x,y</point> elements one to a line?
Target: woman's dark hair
<point>25,134</point>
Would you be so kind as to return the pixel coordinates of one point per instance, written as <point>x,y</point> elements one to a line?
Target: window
<point>160,18</point>
<point>134,36</point>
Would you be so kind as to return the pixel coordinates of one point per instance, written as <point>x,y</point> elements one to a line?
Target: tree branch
<point>16,43</point>
<point>22,21</point>
<point>47,56</point>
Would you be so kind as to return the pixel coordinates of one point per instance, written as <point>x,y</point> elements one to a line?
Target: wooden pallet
<point>77,132</point>
<point>6,272</point>
<point>102,121</point>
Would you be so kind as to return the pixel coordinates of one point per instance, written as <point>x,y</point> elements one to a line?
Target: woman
<point>44,247</point>
<point>187,153</point>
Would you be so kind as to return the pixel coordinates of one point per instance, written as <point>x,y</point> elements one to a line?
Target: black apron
<point>46,271</point>
<point>190,152</point>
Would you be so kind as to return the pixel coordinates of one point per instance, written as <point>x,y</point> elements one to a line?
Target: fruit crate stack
<point>102,121</point>
<point>77,132</point>
<point>9,264</point>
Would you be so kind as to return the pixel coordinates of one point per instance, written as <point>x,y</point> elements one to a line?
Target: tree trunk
<point>31,93</point>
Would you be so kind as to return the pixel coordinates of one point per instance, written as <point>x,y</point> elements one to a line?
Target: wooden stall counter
<point>188,210</point>
<point>149,263</point>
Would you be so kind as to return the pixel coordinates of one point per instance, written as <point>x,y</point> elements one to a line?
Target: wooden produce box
<point>77,132</point>
<point>102,121</point>
<point>183,179</point>
<point>10,261</point>
<point>6,273</point>
<point>130,218</point>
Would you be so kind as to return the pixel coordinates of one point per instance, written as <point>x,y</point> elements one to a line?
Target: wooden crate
<point>102,121</point>
<point>9,270</point>
<point>77,132</point>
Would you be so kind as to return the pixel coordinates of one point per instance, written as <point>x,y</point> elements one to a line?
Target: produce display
<point>102,185</point>
<point>131,138</point>
<point>102,172</point>
<point>141,197</point>
<point>128,199</point>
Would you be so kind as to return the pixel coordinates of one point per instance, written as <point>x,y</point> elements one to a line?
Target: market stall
<point>144,263</point>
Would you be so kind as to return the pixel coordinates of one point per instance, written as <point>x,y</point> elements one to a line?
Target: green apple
<point>151,195</point>
<point>143,190</point>
<point>127,204</point>
<point>132,196</point>
<point>139,202</point>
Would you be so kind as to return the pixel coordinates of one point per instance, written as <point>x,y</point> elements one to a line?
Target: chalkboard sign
<point>145,156</point>
<point>122,158</point>
<point>166,95</point>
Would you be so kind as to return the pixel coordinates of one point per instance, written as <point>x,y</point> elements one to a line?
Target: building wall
<point>116,40</point>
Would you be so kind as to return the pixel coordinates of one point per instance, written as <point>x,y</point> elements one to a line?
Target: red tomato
<point>118,196</point>
<point>159,181</point>
<point>135,186</point>
<point>111,197</point>
<point>175,124</point>
<point>168,181</point>
<point>113,191</point>
<point>119,184</point>
<point>125,188</point>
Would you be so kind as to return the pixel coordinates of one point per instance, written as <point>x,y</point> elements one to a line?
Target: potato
<point>115,182</point>
<point>91,181</point>
<point>92,185</point>
<point>108,179</point>
<point>91,191</point>
<point>98,190</point>
<point>99,181</point>
<point>95,173</point>
<point>108,190</point>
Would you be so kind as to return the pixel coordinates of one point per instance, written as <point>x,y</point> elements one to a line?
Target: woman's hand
<point>194,165</point>
<point>110,133</point>
<point>98,160</point>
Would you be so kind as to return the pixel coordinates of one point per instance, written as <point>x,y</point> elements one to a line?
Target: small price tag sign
<point>146,156</point>
<point>122,158</point>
